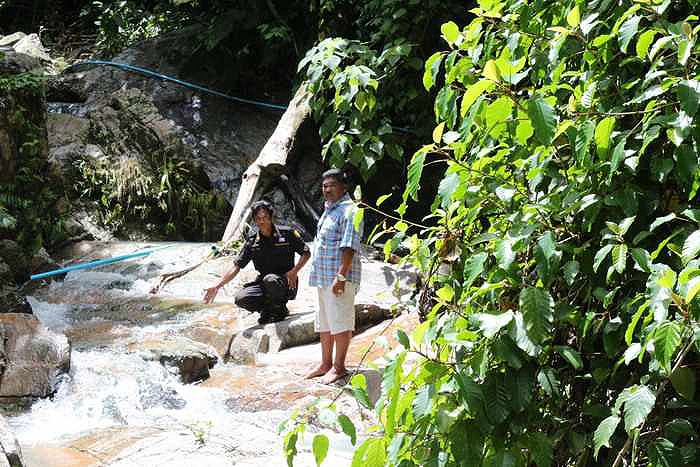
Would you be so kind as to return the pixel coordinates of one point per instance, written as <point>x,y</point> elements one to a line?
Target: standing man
<point>335,270</point>
<point>271,248</point>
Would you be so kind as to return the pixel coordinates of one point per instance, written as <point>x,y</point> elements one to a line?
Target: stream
<point>118,407</point>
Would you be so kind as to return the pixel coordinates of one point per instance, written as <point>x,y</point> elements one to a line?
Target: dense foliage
<point>563,269</point>
<point>27,197</point>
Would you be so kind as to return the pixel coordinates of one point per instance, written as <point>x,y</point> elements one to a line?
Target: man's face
<point>263,219</point>
<point>333,190</point>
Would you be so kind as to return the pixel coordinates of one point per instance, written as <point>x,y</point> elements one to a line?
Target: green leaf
<point>644,42</point>
<point>627,31</point>
<point>432,68</point>
<point>663,453</point>
<point>473,92</point>
<point>688,92</point>
<point>543,118</point>
<point>691,247</point>
<point>571,355</point>
<point>642,258</point>
<point>450,32</point>
<point>693,289</point>
<point>490,324</point>
<point>541,447</point>
<point>571,269</point>
<point>357,218</point>
<point>685,47</point>
<point>574,17</point>
<point>600,256</point>
<point>519,335</point>
<point>632,352</point>
<point>603,433</point>
<point>667,338</point>
<point>683,381</point>
<point>549,382</point>
<point>473,268</point>
<point>584,136</point>
<point>602,135</point>
<point>403,339</point>
<point>446,293</point>
<point>415,171</point>
<point>639,401</point>
<point>619,258</point>
<point>372,453</point>
<point>490,71</point>
<point>320,448</point>
<point>537,307</point>
<point>348,427</point>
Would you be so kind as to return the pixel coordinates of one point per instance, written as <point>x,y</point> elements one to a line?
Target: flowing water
<point>123,409</point>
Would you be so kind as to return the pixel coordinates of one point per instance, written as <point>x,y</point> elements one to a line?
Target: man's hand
<point>210,294</point>
<point>292,279</point>
<point>338,287</point>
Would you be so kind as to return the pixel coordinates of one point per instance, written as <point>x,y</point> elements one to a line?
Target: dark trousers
<point>267,293</point>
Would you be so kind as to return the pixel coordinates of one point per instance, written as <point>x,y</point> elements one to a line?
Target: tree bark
<point>270,164</point>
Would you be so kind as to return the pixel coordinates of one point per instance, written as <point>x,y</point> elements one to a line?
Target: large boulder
<point>33,358</point>
<point>14,256</point>
<point>190,359</point>
<point>121,116</point>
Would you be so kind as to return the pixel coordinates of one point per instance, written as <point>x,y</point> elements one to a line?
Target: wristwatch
<point>340,277</point>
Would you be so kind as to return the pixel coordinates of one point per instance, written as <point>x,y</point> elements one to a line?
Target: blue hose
<point>96,263</point>
<point>153,74</point>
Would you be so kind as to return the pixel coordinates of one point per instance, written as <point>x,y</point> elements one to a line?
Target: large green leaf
<point>584,137</point>
<point>667,338</point>
<point>691,246</point>
<point>543,118</point>
<point>541,447</point>
<point>604,432</point>
<point>644,42</point>
<point>432,67</point>
<point>570,355</point>
<point>638,402</point>
<point>320,448</point>
<point>600,256</point>
<point>619,257</point>
<point>537,307</point>
<point>627,31</point>
<point>415,172</point>
<point>663,453</point>
<point>688,92</point>
<point>473,268</point>
<point>603,132</point>
<point>683,380</point>
<point>473,92</point>
<point>490,324</point>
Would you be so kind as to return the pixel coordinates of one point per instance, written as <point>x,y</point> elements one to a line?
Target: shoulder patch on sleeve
<point>296,233</point>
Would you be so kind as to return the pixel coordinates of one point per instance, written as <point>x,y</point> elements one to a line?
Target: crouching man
<point>272,248</point>
<point>335,271</point>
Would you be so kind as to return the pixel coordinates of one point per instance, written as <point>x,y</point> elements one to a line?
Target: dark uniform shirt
<point>272,255</point>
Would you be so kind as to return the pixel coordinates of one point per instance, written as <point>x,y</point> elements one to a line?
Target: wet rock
<point>192,360</point>
<point>10,447</point>
<point>34,357</point>
<point>42,262</point>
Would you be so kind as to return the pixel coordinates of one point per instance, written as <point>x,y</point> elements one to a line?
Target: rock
<point>10,447</point>
<point>191,359</point>
<point>12,39</point>
<point>31,45</point>
<point>13,255</point>
<point>34,357</point>
<point>12,301</point>
<point>42,262</point>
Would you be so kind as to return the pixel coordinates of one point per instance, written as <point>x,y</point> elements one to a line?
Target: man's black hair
<point>338,174</point>
<point>262,204</point>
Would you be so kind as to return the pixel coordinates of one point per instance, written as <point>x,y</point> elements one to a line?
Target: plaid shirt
<point>335,231</point>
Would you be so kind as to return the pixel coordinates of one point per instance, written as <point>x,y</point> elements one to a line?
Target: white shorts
<point>335,314</point>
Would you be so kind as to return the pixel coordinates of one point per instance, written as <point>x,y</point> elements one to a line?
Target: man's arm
<point>211,292</point>
<point>292,274</point>
<point>346,255</point>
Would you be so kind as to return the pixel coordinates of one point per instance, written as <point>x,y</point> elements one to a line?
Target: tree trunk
<point>270,164</point>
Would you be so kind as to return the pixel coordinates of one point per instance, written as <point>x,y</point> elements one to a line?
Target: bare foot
<point>334,375</point>
<point>318,371</point>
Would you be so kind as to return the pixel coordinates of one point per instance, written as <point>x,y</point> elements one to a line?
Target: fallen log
<point>269,165</point>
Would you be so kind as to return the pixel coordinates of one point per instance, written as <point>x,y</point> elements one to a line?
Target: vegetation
<point>165,194</point>
<point>26,196</point>
<point>563,271</point>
